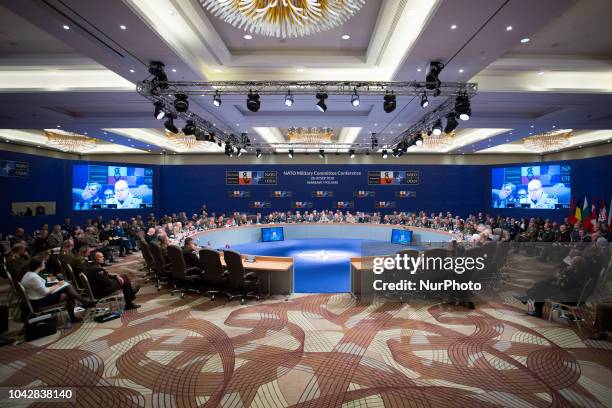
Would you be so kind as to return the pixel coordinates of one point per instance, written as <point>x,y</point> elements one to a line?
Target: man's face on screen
<point>121,191</point>
<point>89,191</point>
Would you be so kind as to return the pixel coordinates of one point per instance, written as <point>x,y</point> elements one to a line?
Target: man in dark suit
<point>190,253</point>
<point>104,283</point>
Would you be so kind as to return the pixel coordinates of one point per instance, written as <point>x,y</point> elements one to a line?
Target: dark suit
<point>191,259</point>
<point>102,284</point>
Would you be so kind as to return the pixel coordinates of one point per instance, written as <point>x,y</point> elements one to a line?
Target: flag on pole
<point>592,215</point>
<point>571,219</point>
<point>603,214</point>
<point>586,219</point>
<point>610,215</point>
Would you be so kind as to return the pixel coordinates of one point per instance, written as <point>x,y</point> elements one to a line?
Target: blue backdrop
<point>462,189</point>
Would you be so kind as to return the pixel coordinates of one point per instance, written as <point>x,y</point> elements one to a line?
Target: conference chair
<point>239,280</point>
<point>73,279</point>
<point>160,266</point>
<point>180,275</point>
<point>35,312</point>
<point>113,299</point>
<point>14,299</point>
<point>214,274</point>
<point>149,265</point>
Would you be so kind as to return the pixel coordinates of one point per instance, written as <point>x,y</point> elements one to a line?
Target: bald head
<point>122,190</point>
<point>534,189</point>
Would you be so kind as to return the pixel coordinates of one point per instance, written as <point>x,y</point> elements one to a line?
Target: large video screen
<point>535,187</point>
<point>272,234</point>
<point>111,187</point>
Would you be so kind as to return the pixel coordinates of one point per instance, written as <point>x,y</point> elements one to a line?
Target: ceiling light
<point>384,154</point>
<point>437,128</point>
<point>461,71</point>
<point>419,69</point>
<point>59,126</point>
<point>173,69</point>
<point>238,152</point>
<point>132,71</point>
<point>181,103</point>
<point>218,70</point>
<point>258,153</point>
<point>123,27</point>
<point>159,110</point>
<point>355,98</point>
<point>321,153</point>
<point>462,107</point>
<point>66,27</point>
<point>189,128</point>
<point>217,99</point>
<point>433,82</point>
<point>169,125</point>
<point>451,123</point>
<point>290,153</point>
<point>525,40</point>
<point>346,37</point>
<point>389,103</point>
<point>424,101</point>
<point>300,69</point>
<point>541,73</point>
<point>289,99</point>
<point>509,28</point>
<point>247,37</point>
<point>453,27</point>
<point>253,103</point>
<point>418,141</point>
<point>352,153</point>
<point>321,96</point>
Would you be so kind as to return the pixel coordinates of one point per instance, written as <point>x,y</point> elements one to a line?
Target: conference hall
<point>305,203</point>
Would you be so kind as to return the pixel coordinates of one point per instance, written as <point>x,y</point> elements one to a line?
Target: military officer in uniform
<point>123,197</point>
<point>507,195</point>
<point>536,197</point>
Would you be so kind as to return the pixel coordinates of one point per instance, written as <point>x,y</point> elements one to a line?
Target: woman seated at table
<point>42,294</point>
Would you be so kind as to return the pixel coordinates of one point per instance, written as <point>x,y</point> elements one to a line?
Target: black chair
<point>239,280</point>
<point>149,265</point>
<point>214,274</point>
<point>161,268</point>
<point>181,275</point>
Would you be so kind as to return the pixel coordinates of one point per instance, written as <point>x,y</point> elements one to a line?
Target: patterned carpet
<point>316,351</point>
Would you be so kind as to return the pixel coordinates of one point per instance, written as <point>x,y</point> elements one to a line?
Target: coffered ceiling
<point>83,78</point>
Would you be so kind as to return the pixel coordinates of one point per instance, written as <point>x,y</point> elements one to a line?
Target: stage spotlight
<point>384,154</point>
<point>181,103</point>
<point>238,151</point>
<point>424,101</point>
<point>219,143</point>
<point>156,68</point>
<point>290,153</point>
<point>253,103</point>
<point>217,99</point>
<point>390,102</point>
<point>437,128</point>
<point>355,98</point>
<point>418,141</point>
<point>189,128</point>
<point>432,80</point>
<point>169,125</point>
<point>289,99</point>
<point>352,153</point>
<point>321,96</point>
<point>462,107</point>
<point>451,123</point>
<point>321,153</point>
<point>258,153</point>
<point>374,141</point>
<point>228,149</point>
<point>159,110</point>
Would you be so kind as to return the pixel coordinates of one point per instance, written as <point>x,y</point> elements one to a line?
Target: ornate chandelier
<point>284,18</point>
<point>182,140</point>
<point>437,142</point>
<point>70,142</point>
<point>548,141</point>
<point>314,135</point>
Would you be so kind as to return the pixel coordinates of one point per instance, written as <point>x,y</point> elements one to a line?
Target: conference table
<point>279,271</point>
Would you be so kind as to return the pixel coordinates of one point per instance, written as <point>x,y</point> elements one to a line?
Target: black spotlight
<point>289,99</point>
<point>418,141</point>
<point>321,96</point>
<point>228,149</point>
<point>258,153</point>
<point>159,110</point>
<point>384,154</point>
<point>219,143</point>
<point>238,151</point>
<point>424,101</point>
<point>253,103</point>
<point>462,107</point>
<point>321,153</point>
<point>451,123</point>
<point>390,102</point>
<point>181,103</point>
<point>156,68</point>
<point>290,153</point>
<point>169,125</point>
<point>374,141</point>
<point>367,153</point>
<point>355,98</point>
<point>352,153</point>
<point>437,128</point>
<point>190,128</point>
<point>432,80</point>
<point>217,99</point>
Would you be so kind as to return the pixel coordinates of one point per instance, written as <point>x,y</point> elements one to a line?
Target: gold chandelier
<point>313,135</point>
<point>70,142</point>
<point>284,18</point>
<point>437,142</point>
<point>182,140</point>
<point>548,141</point>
